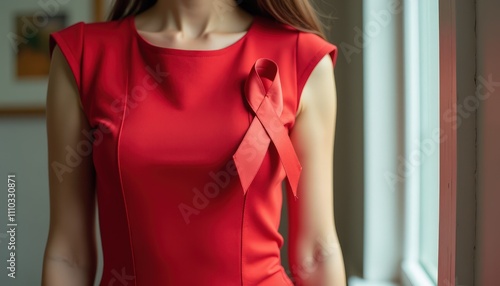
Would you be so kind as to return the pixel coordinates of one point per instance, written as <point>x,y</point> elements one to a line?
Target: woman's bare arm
<point>70,256</point>
<point>315,255</point>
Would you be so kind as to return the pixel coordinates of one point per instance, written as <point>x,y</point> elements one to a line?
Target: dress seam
<point>124,112</point>
<point>241,237</point>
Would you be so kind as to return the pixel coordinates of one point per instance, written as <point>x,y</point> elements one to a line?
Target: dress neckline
<point>166,50</point>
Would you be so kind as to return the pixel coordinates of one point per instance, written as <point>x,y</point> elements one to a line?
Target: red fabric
<point>167,123</point>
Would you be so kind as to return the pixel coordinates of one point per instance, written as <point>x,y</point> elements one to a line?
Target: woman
<point>182,118</point>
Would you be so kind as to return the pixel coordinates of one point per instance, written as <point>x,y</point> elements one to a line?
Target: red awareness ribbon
<point>263,94</point>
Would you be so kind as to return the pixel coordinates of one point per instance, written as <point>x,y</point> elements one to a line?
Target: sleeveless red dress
<point>190,148</point>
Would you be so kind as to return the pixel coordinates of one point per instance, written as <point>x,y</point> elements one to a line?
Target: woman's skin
<point>193,25</point>
<point>71,254</point>
<point>71,251</point>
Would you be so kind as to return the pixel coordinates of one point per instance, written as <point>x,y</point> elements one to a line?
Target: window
<point>421,27</point>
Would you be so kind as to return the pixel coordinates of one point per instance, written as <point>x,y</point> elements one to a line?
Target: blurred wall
<point>488,141</point>
<point>466,143</point>
<point>341,17</point>
<point>23,153</point>
<point>478,153</point>
<point>23,149</point>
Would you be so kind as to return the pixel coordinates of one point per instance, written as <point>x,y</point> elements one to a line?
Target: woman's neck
<point>193,18</point>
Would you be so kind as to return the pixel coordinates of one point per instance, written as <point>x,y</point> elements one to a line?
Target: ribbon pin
<point>263,94</point>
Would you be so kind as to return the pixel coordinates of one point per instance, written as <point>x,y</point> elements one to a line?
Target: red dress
<point>190,148</point>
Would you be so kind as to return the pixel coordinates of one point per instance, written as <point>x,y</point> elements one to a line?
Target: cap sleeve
<point>311,48</point>
<point>70,42</point>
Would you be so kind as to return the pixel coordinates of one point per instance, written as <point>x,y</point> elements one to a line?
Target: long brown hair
<point>299,14</point>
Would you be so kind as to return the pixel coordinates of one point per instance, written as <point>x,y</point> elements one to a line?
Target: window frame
<point>448,146</point>
<point>413,270</point>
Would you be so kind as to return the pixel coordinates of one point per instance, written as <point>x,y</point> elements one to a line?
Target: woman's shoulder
<point>91,34</point>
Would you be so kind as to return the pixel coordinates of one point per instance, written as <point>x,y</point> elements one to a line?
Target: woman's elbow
<point>317,261</point>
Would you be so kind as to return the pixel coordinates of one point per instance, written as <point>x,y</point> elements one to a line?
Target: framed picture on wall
<point>24,53</point>
<point>25,58</point>
<point>30,43</point>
